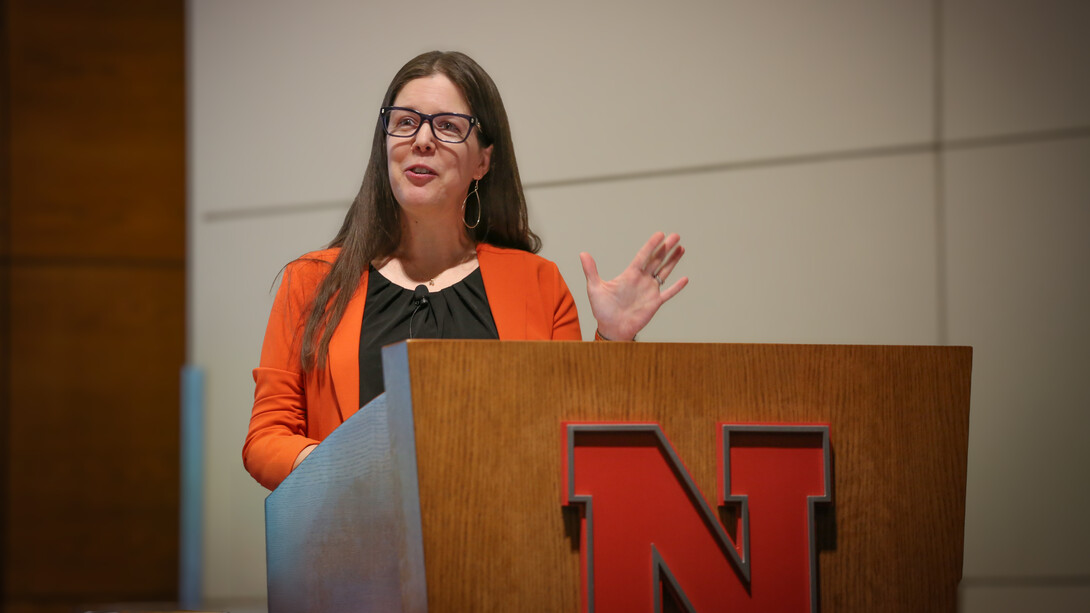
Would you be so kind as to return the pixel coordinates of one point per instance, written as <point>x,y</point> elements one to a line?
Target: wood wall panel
<point>93,310</point>
<point>95,445</point>
<point>5,292</point>
<point>98,156</point>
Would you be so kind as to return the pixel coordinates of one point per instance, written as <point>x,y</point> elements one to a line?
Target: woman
<point>437,245</point>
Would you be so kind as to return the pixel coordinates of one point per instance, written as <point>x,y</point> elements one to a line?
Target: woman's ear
<point>485,164</point>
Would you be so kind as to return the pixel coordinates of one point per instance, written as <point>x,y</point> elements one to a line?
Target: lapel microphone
<point>420,297</point>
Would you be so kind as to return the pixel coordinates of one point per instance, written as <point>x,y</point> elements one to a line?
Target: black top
<point>392,314</point>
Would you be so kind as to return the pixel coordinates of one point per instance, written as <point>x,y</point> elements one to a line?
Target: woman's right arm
<point>278,424</point>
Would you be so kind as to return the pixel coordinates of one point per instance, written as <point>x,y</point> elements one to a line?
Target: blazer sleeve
<point>278,423</point>
<point>565,316</point>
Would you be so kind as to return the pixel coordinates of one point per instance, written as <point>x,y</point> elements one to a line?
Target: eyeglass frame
<point>425,118</point>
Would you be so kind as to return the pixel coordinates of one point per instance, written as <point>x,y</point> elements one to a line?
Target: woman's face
<point>429,176</point>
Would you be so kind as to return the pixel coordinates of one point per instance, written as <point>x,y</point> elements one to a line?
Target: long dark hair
<point>372,226</point>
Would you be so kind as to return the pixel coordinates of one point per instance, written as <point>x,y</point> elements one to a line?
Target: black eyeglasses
<point>448,127</point>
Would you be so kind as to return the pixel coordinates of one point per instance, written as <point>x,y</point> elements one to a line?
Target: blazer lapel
<point>344,353</point>
<point>505,297</point>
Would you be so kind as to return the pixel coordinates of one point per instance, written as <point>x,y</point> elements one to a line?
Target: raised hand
<point>626,304</point>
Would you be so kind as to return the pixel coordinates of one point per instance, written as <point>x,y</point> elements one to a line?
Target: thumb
<point>590,269</point>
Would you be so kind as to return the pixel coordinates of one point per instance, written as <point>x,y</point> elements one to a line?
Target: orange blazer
<point>294,408</point>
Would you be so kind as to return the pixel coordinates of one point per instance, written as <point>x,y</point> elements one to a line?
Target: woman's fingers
<point>644,255</point>
<point>672,291</point>
<point>662,254</point>
<point>671,261</point>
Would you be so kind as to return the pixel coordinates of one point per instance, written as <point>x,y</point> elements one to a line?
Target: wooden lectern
<point>444,494</point>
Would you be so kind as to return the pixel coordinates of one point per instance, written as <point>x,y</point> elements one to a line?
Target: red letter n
<point>649,536</point>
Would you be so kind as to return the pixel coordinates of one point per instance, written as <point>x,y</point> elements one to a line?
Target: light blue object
<point>190,527</point>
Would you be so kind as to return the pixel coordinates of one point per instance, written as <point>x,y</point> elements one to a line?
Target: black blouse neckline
<point>459,311</point>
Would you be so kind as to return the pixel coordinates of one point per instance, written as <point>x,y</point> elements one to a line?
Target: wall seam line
<point>931,146</point>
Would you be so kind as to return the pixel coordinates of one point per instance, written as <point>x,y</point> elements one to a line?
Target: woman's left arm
<point>623,306</point>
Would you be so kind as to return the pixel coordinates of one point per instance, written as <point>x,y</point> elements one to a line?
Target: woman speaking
<point>435,245</point>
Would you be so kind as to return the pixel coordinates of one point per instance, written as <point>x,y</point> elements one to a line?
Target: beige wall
<point>841,172</point>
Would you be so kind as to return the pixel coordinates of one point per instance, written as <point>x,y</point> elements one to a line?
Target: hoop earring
<point>472,193</point>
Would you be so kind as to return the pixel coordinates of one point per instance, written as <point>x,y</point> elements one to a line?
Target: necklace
<point>430,281</point>
<point>466,258</point>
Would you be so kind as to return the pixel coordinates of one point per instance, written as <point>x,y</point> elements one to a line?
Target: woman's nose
<point>424,140</point>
